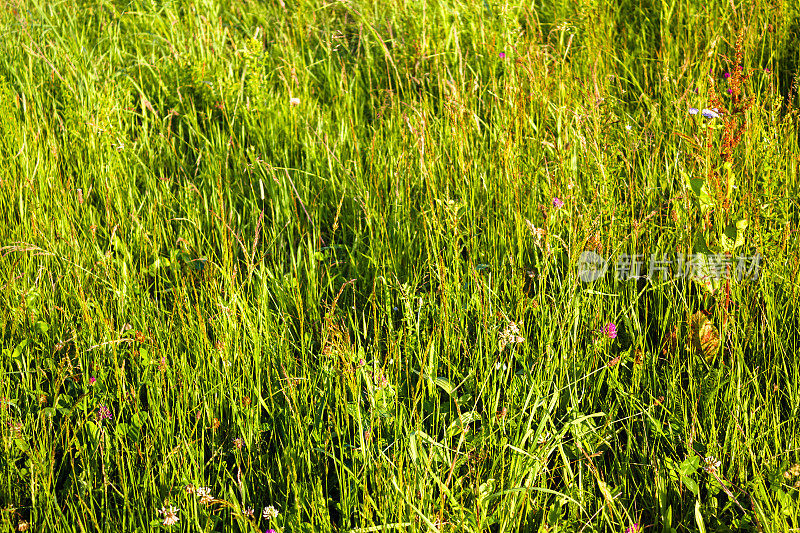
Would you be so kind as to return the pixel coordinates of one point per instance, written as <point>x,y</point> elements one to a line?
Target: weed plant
<point>320,266</point>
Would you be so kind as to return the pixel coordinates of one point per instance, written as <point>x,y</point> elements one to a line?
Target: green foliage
<point>326,257</point>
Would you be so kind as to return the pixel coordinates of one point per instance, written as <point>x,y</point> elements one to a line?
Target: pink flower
<point>502,55</point>
<point>103,413</point>
<point>726,75</point>
<point>633,529</point>
<point>610,330</point>
<point>92,380</point>
<point>558,203</point>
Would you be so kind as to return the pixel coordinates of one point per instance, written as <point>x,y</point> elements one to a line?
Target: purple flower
<point>710,113</point>
<point>766,70</point>
<point>92,380</point>
<point>502,55</point>
<point>693,111</point>
<point>103,413</point>
<point>730,91</point>
<point>726,75</point>
<point>633,529</point>
<point>557,202</point>
<point>610,330</point>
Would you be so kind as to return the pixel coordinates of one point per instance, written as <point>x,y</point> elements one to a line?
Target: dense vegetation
<point>323,266</point>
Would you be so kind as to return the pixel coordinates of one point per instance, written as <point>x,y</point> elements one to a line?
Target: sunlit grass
<point>318,267</point>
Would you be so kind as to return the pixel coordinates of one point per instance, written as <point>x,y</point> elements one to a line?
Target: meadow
<point>412,265</point>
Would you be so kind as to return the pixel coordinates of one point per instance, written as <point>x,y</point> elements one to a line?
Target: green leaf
<point>16,356</point>
<point>445,385</point>
<point>698,516</point>
<point>700,189</point>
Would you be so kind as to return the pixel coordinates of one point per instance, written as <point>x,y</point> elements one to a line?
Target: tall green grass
<point>205,285</point>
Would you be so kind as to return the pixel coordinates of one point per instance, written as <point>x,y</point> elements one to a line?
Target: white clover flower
<point>270,512</point>
<point>294,102</point>
<point>510,335</point>
<point>711,465</point>
<point>170,515</point>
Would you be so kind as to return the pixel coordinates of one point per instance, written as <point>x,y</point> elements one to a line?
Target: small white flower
<point>248,512</point>
<point>711,465</point>
<point>294,102</point>
<point>270,512</point>
<point>510,335</point>
<point>628,127</point>
<point>170,515</point>
<point>203,491</point>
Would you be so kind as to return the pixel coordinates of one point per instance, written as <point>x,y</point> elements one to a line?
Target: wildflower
<point>633,529</point>
<point>203,491</point>
<point>498,365</point>
<point>190,489</point>
<point>711,465</point>
<point>628,127</point>
<point>539,234</point>
<point>103,413</point>
<point>270,531</point>
<point>248,512</point>
<point>238,442</point>
<point>793,471</point>
<point>766,70</point>
<point>23,525</point>
<point>502,55</point>
<point>726,75</point>
<point>730,91</point>
<point>206,499</point>
<point>92,380</point>
<point>558,202</point>
<point>270,512</point>
<point>294,102</point>
<point>710,113</point>
<point>693,111</point>
<point>380,380</point>
<point>543,438</point>
<point>510,335</point>
<point>610,330</point>
<point>170,515</point>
